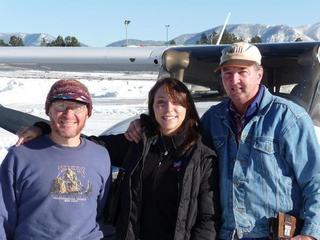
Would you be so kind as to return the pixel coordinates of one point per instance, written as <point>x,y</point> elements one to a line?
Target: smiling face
<point>241,84</point>
<point>168,112</point>
<point>67,121</point>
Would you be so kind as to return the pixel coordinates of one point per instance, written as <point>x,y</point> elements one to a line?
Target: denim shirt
<point>275,167</point>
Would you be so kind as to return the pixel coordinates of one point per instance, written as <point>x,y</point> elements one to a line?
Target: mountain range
<point>267,33</point>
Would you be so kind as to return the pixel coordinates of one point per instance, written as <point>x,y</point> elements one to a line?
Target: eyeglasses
<point>75,107</point>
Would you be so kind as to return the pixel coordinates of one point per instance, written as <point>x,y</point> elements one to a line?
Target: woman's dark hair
<point>179,93</point>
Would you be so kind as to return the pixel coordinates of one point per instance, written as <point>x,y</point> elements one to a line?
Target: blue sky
<point>100,22</point>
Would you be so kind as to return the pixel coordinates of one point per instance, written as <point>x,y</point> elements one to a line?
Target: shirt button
<point>239,209</point>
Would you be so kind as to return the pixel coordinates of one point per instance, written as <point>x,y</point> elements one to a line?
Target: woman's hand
<point>27,134</point>
<point>133,133</point>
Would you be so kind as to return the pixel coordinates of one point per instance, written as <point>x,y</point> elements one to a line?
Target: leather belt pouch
<point>284,226</point>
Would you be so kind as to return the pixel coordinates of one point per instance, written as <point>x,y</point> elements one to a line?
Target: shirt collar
<point>252,108</point>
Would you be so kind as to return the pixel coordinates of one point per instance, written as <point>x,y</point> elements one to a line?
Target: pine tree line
<point>68,41</point>
<point>228,38</point>
<point>14,42</point>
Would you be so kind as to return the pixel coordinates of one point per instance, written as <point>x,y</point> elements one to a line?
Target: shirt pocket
<point>265,146</point>
<point>265,154</point>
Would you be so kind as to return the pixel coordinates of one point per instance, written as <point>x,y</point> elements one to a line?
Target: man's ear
<point>87,115</point>
<point>260,74</point>
<point>48,113</point>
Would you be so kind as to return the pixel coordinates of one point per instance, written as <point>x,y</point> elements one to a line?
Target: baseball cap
<point>71,90</point>
<point>240,54</point>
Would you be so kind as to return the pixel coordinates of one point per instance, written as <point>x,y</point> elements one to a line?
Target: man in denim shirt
<point>268,152</point>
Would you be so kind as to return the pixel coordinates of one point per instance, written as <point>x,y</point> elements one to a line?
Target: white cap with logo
<point>241,54</point>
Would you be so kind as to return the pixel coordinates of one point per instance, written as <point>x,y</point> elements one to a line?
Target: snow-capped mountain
<point>267,33</point>
<point>313,31</point>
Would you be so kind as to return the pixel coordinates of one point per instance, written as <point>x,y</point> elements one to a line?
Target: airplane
<point>291,70</point>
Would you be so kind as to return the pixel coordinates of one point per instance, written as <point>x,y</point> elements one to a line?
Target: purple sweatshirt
<point>53,192</point>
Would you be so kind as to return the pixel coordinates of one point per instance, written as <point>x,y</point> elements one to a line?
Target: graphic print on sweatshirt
<point>70,185</point>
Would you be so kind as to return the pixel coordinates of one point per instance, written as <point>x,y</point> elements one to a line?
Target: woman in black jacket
<point>170,187</point>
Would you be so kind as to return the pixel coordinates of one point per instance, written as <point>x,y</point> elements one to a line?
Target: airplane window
<point>287,89</point>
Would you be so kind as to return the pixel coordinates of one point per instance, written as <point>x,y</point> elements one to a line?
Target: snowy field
<point>116,96</point>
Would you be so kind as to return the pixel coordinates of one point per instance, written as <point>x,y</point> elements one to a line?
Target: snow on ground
<point>116,96</point>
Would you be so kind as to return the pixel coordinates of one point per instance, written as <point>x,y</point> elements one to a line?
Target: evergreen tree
<point>71,41</point>
<point>256,39</point>
<point>43,42</point>
<point>214,37</point>
<point>68,41</point>
<point>59,42</point>
<point>203,39</point>
<point>172,42</point>
<point>2,43</point>
<point>229,38</point>
<point>16,41</point>
<point>75,42</point>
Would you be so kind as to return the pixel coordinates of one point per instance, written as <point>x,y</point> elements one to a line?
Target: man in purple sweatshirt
<point>56,186</point>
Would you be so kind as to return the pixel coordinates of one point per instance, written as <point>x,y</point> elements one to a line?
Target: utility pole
<point>126,23</point>
<point>167,33</point>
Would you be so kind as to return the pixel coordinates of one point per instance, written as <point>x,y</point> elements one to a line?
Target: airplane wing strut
<point>13,120</point>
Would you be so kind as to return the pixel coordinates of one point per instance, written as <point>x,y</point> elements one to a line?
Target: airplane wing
<point>13,120</point>
<point>83,58</point>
